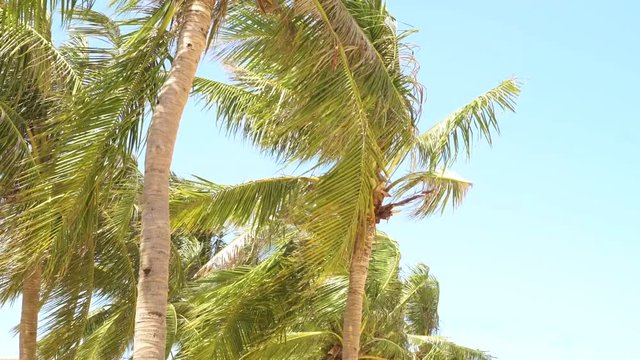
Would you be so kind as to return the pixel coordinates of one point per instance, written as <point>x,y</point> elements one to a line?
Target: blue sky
<point>542,259</point>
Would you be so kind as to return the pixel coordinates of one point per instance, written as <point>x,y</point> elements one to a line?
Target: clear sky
<point>542,260</point>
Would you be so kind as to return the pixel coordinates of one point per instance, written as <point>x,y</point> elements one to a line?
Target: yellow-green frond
<point>434,190</point>
<point>440,145</point>
<point>204,206</point>
<point>440,348</point>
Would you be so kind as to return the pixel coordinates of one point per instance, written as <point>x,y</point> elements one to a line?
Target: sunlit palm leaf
<point>46,64</point>
<point>439,348</point>
<point>439,146</point>
<point>295,345</point>
<point>207,207</point>
<point>434,190</point>
<point>36,10</point>
<point>420,301</point>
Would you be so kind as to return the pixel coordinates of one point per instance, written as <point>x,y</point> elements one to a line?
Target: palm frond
<point>420,301</point>
<point>433,189</point>
<point>20,41</point>
<point>439,146</point>
<point>384,265</point>
<point>38,11</point>
<point>342,203</point>
<point>207,207</point>
<point>93,147</point>
<point>232,102</point>
<point>367,30</point>
<point>226,329</point>
<point>13,145</point>
<point>107,333</point>
<point>299,69</point>
<point>439,348</point>
<point>383,348</point>
<point>295,345</point>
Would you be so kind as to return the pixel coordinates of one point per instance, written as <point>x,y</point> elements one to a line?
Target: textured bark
<point>153,287</point>
<point>358,271</point>
<point>29,314</point>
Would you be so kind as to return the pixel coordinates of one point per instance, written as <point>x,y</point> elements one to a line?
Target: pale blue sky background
<point>542,261</point>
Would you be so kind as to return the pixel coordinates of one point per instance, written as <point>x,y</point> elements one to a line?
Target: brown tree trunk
<point>29,314</point>
<point>153,287</point>
<point>358,271</point>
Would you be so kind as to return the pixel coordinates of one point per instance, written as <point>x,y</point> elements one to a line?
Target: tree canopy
<point>331,84</point>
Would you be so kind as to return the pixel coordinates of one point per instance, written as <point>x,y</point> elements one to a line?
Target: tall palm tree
<point>149,340</point>
<point>33,76</point>
<point>401,313</point>
<point>198,21</point>
<point>332,82</point>
<point>281,308</point>
<point>57,206</point>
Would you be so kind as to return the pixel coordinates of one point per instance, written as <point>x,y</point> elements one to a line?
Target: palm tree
<point>33,75</point>
<point>55,193</point>
<point>105,330</point>
<point>198,21</point>
<point>332,82</point>
<point>281,308</point>
<point>149,340</point>
<point>401,317</point>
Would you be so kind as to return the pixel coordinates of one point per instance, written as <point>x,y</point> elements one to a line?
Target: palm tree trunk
<point>29,315</point>
<point>153,287</point>
<point>358,271</point>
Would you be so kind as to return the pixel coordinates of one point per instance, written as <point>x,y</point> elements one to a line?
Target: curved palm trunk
<point>29,314</point>
<point>153,287</point>
<point>358,271</point>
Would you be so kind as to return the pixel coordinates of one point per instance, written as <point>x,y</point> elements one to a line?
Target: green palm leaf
<point>204,206</point>
<point>439,146</point>
<point>439,348</point>
<point>434,190</point>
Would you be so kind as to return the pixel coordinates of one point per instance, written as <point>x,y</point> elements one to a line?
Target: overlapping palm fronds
<point>66,167</point>
<point>332,81</point>
<point>297,318</point>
